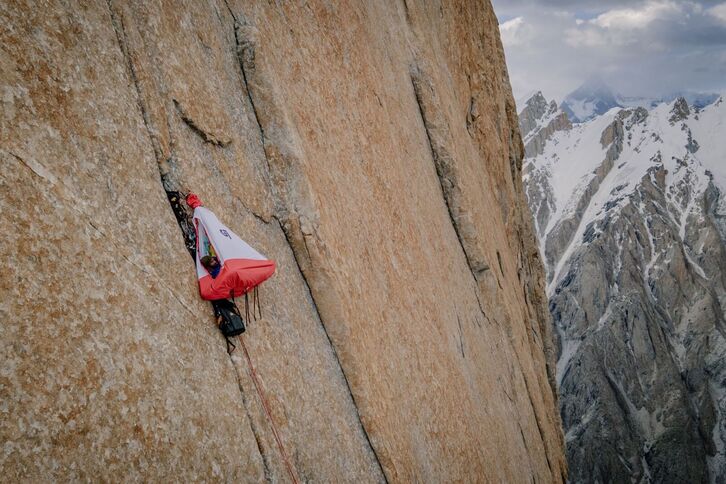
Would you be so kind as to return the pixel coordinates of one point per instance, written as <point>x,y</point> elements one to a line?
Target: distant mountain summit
<point>591,99</point>
<point>595,98</point>
<point>697,100</point>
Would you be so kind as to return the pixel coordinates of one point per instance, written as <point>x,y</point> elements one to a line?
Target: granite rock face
<point>636,258</point>
<point>372,150</point>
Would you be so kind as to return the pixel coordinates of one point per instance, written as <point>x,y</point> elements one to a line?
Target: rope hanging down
<point>243,268</point>
<point>266,406</point>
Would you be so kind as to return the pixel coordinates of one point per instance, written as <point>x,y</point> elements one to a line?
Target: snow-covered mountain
<point>589,100</point>
<point>595,98</point>
<point>695,99</point>
<point>630,208</point>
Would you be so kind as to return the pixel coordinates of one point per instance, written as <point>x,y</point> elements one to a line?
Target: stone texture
<point>372,150</point>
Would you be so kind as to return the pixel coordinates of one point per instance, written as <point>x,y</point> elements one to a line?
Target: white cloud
<point>630,26</point>
<point>584,37</point>
<point>511,26</point>
<point>514,32</point>
<point>719,11</point>
<point>637,18</point>
<point>643,47</point>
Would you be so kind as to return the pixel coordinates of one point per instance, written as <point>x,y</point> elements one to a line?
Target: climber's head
<point>210,261</point>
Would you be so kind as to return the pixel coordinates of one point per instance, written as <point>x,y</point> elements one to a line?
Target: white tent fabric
<point>227,245</point>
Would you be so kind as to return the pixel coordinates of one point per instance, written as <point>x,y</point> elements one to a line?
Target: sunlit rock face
<point>630,211</point>
<point>371,150</point>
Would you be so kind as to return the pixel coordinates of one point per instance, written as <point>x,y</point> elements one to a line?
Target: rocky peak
<point>612,133</point>
<point>633,116</point>
<point>680,111</point>
<point>537,99</point>
<point>534,110</point>
<point>539,120</point>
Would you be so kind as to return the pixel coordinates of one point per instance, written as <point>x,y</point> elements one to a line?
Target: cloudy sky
<point>639,47</point>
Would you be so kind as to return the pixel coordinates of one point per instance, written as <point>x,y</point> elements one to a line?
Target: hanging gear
<point>232,323</point>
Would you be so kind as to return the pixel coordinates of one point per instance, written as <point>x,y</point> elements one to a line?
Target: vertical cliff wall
<point>370,148</point>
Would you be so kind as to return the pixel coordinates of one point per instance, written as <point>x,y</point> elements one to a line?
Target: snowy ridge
<point>571,158</point>
<point>595,98</point>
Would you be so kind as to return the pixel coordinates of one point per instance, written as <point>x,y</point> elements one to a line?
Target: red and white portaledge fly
<point>243,268</point>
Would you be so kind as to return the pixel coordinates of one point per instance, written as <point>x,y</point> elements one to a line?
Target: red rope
<point>266,406</point>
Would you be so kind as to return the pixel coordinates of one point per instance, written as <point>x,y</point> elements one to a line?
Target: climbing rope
<point>266,406</point>
<point>190,235</point>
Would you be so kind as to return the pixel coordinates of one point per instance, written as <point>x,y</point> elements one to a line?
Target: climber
<point>211,263</point>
